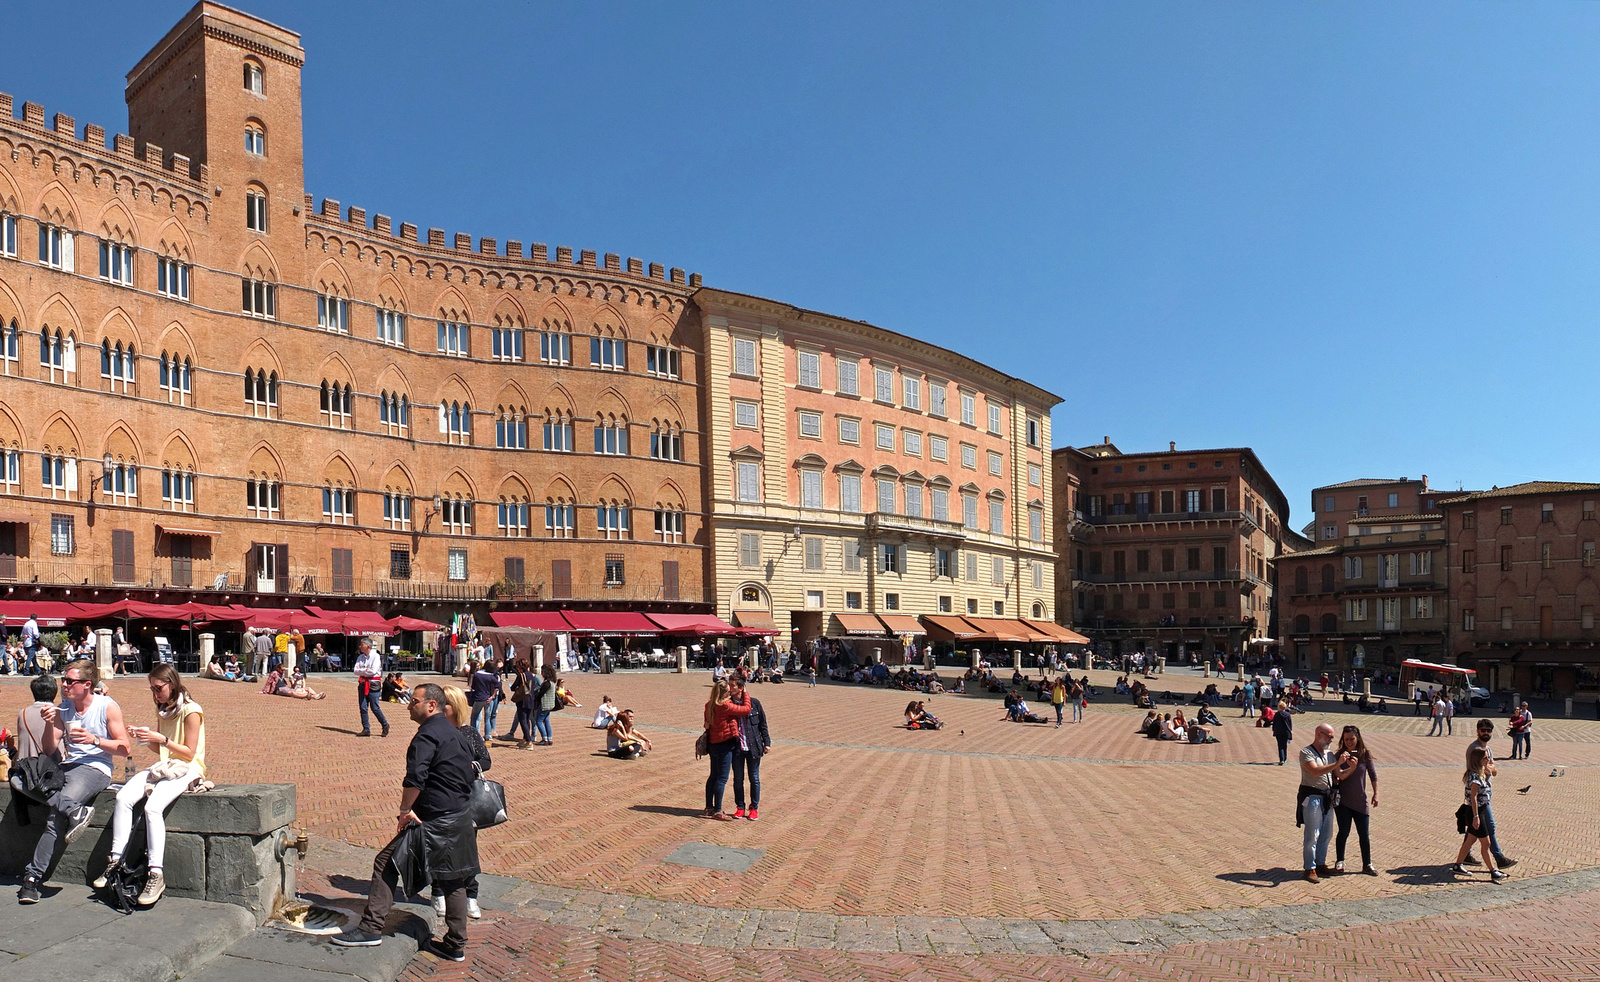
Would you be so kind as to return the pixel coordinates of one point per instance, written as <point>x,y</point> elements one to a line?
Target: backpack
<point>126,880</point>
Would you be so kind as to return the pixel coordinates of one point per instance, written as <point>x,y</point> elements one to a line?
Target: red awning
<point>538,620</point>
<point>610,622</point>
<point>755,622</point>
<point>404,623</point>
<point>14,518</point>
<point>902,624</point>
<point>175,530</point>
<point>1056,632</point>
<point>50,613</point>
<point>132,608</point>
<point>859,625</point>
<point>354,622</point>
<point>955,627</point>
<point>1001,629</point>
<point>701,625</point>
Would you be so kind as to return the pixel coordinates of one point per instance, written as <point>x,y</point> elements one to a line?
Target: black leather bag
<point>488,803</point>
<point>37,778</point>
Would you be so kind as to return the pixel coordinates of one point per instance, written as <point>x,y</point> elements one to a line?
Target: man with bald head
<point>1321,768</point>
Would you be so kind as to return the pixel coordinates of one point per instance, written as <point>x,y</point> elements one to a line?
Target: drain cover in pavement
<point>724,858</point>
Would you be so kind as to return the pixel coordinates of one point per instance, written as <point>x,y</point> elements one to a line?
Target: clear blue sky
<point>1360,238</point>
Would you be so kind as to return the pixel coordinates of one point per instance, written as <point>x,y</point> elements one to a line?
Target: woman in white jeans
<point>180,739</point>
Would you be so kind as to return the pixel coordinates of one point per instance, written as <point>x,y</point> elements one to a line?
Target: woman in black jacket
<point>459,713</point>
<point>754,743</point>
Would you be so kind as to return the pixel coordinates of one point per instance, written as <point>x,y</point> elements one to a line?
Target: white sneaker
<point>154,887</point>
<point>473,910</point>
<point>438,904</point>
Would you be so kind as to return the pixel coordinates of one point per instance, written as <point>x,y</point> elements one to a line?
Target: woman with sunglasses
<point>179,738</point>
<point>1354,800</point>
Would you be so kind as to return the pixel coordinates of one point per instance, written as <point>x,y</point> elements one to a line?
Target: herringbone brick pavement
<point>984,818</point>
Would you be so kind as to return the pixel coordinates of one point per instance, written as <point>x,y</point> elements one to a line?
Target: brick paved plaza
<point>985,850</point>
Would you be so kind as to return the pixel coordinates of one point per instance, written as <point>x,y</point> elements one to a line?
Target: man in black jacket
<point>435,840</point>
<point>754,743</point>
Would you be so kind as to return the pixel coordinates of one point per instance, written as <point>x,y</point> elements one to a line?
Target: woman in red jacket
<point>726,707</point>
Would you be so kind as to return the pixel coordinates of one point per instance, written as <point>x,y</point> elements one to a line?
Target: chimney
<point>1108,441</point>
<point>1172,446</point>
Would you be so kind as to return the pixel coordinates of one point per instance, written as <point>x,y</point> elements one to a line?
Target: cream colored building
<point>853,470</point>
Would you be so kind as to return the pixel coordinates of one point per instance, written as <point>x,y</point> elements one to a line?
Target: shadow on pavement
<point>1263,877</point>
<point>1432,875</point>
<point>669,810</point>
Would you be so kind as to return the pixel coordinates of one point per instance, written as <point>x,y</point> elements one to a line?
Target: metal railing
<point>1175,576</point>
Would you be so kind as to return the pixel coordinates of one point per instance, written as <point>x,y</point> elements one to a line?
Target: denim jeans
<point>523,721</point>
<point>721,764</point>
<point>493,717</point>
<point>82,784</point>
<point>479,712</point>
<point>1437,728</point>
<point>541,723</point>
<point>370,699</point>
<point>1318,830</point>
<point>1283,749</point>
<point>1058,713</point>
<point>1486,815</point>
<point>1348,817</point>
<point>1077,711</point>
<point>744,763</point>
<point>1521,744</point>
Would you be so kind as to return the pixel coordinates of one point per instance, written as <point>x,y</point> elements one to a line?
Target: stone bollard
<point>538,658</point>
<point>289,660</point>
<point>752,658</point>
<point>458,658</point>
<point>1241,671</point>
<point>1366,687</point>
<point>977,656</point>
<point>208,651</point>
<point>683,660</point>
<point>1208,669</point>
<point>1568,712</point>
<point>877,656</point>
<point>1516,700</point>
<point>102,653</point>
<point>1016,659</point>
<point>1161,666</point>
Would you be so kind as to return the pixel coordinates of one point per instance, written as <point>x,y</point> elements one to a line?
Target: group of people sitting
<point>1017,710</point>
<point>227,670</point>
<point>910,680</point>
<point>918,717</point>
<point>623,741</point>
<point>1173,726</point>
<point>1365,703</point>
<point>292,685</point>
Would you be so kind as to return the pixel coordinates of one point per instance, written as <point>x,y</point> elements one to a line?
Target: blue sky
<point>1360,238</point>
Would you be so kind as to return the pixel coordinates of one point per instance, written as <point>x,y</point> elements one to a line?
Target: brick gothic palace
<point>215,387</point>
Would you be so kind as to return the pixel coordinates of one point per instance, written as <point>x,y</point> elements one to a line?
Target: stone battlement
<point>63,130</point>
<point>490,249</point>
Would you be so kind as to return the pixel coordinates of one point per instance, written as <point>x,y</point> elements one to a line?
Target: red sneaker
<point>752,815</point>
<point>739,813</point>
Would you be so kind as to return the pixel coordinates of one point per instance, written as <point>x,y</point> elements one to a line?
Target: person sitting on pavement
<point>85,731</point>
<point>1151,727</point>
<point>298,689</point>
<point>179,737</point>
<point>1197,733</point>
<point>1207,717</point>
<point>395,689</point>
<point>918,717</point>
<point>1170,729</point>
<point>623,741</point>
<point>434,835</point>
<point>605,713</point>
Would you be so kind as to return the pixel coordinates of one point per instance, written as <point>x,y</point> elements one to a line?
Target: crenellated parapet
<point>146,170</point>
<point>349,234</point>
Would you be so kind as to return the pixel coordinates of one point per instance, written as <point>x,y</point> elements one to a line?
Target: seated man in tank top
<point>85,731</point>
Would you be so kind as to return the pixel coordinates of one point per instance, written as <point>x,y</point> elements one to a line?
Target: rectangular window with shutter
<point>813,553</point>
<point>515,570</point>
<point>669,579</point>
<point>122,555</point>
<point>561,579</point>
<point>749,483</point>
<point>749,550</point>
<point>343,563</point>
<point>744,357</point>
<point>182,560</point>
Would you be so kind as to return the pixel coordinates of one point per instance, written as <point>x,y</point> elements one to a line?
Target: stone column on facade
<point>208,651</point>
<point>102,653</point>
<point>683,660</point>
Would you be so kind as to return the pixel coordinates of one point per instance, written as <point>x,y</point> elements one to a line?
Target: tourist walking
<point>1521,733</point>
<point>1477,780</point>
<point>484,697</point>
<point>456,707</point>
<point>369,686</point>
<point>546,704</point>
<point>722,714</point>
<point>1353,799</point>
<point>1079,697</point>
<point>85,731</point>
<point>1485,734</point>
<point>1321,766</point>
<point>754,743</point>
<point>435,840</point>
<point>1249,699</point>
<point>179,738</point>
<point>1058,697</point>
<point>30,644</point>
<point>524,697</point>
<point>1449,715</point>
<point>1282,730</point>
